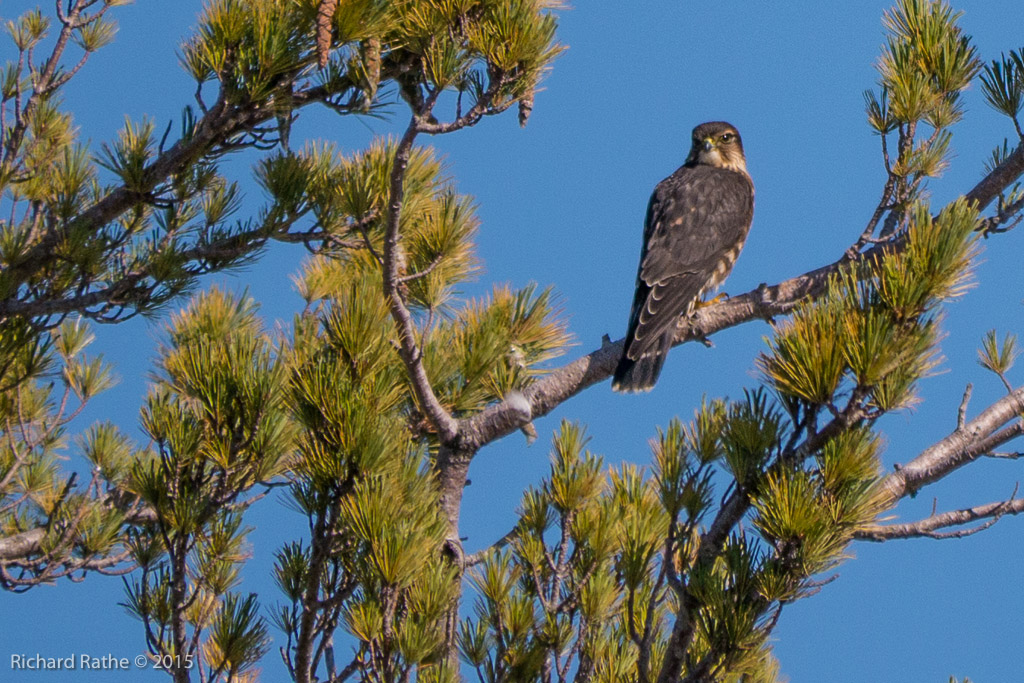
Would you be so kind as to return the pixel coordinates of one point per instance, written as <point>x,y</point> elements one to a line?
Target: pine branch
<point>215,129</point>
<point>119,293</point>
<point>977,438</point>
<point>24,549</point>
<point>307,627</point>
<point>996,182</point>
<point>729,515</point>
<point>22,545</point>
<point>409,350</point>
<point>929,526</point>
<point>482,107</point>
<point>43,83</point>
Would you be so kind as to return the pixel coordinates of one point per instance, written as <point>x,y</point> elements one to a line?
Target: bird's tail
<point>640,374</point>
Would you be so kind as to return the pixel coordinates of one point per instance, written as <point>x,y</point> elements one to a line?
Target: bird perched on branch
<point>697,221</point>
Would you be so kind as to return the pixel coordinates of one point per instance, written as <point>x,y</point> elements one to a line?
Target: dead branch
<point>929,526</point>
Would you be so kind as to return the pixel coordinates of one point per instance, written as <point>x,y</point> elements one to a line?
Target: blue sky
<point>562,204</point>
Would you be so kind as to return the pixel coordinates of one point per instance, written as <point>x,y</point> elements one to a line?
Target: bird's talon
<point>711,302</point>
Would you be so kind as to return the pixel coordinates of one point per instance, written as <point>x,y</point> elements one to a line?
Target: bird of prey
<point>697,221</point>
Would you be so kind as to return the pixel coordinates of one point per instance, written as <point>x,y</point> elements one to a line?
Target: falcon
<point>697,222</point>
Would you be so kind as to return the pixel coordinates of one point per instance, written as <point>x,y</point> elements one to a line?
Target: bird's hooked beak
<point>709,144</point>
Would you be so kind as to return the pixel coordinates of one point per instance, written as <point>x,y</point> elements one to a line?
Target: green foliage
<point>129,155</point>
<point>238,636</point>
<point>752,433</point>
<point>45,382</point>
<point>1003,85</point>
<point>373,564</point>
<point>875,332</point>
<point>101,260</point>
<point>96,34</point>
<point>359,474</point>
<point>597,591</point>
<point>998,357</point>
<point>928,60</point>
<point>806,362</point>
<point>926,64</point>
<point>493,347</point>
<point>495,51</point>
<point>135,226</point>
<point>250,46</point>
<point>602,562</point>
<point>219,426</point>
<point>29,29</point>
<point>124,229</point>
<point>348,197</point>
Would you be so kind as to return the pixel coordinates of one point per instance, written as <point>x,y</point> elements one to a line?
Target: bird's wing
<point>695,217</point>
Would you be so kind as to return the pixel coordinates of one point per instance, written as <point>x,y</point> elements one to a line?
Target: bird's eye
<point>727,137</point>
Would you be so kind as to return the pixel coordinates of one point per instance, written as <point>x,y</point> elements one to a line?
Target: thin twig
<point>961,414</point>
<point>423,273</point>
<point>481,555</point>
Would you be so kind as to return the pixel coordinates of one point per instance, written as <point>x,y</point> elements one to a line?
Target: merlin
<point>697,221</point>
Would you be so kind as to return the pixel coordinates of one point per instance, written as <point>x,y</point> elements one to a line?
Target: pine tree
<point>368,412</point>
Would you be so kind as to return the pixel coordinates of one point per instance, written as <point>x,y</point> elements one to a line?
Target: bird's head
<point>717,143</point>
